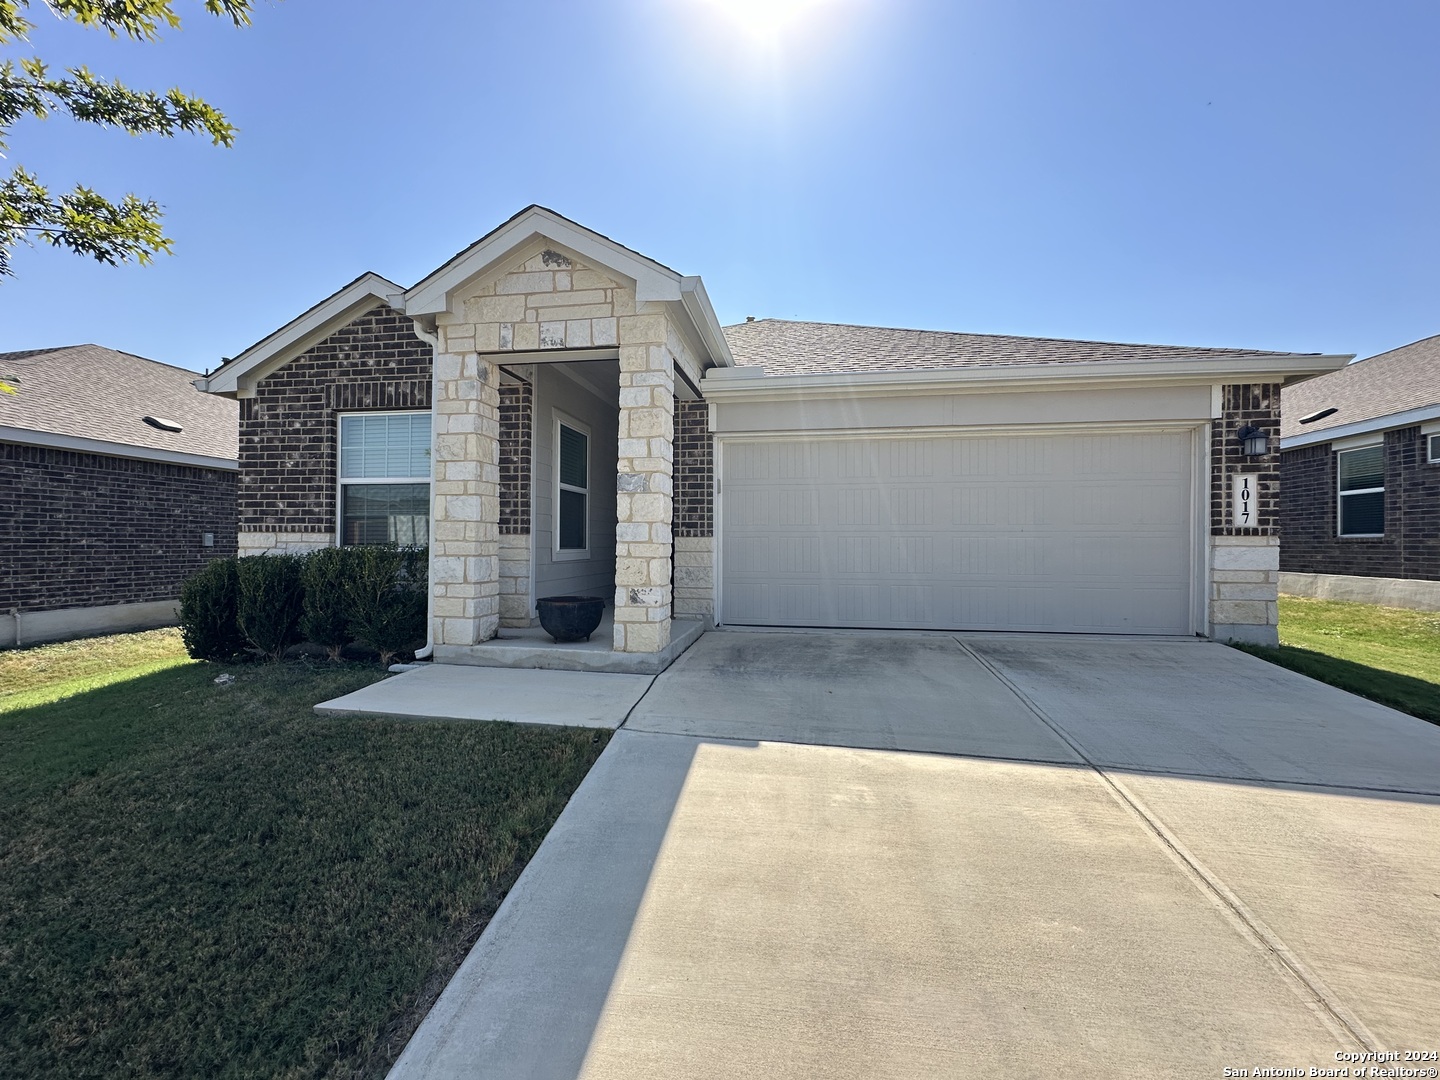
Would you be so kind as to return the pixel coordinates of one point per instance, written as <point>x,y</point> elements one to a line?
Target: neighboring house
<point>560,414</point>
<point>117,481</point>
<point>1360,460</point>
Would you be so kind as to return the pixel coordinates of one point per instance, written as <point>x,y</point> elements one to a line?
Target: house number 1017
<point>1244,492</point>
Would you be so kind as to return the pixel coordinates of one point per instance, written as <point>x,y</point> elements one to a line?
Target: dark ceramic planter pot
<point>570,618</point>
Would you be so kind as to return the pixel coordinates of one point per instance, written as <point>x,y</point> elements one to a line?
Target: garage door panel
<point>1044,532</point>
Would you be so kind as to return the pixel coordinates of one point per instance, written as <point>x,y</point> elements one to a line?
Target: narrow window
<point>1362,491</point>
<point>385,478</point>
<point>1434,442</point>
<point>572,473</point>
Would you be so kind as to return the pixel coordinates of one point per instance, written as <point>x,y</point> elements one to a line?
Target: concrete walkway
<point>521,696</point>
<point>1200,863</point>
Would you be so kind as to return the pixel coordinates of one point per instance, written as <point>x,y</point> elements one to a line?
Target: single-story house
<point>1360,466</point>
<point>559,414</point>
<point>117,481</point>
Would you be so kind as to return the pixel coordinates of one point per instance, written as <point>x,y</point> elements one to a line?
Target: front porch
<point>557,386</point>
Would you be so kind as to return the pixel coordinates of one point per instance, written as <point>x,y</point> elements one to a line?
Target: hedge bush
<point>385,598</point>
<point>208,603</point>
<point>263,604</point>
<point>272,599</point>
<point>326,622</point>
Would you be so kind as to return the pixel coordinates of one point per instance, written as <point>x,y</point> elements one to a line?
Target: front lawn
<point>203,880</point>
<point>1390,655</point>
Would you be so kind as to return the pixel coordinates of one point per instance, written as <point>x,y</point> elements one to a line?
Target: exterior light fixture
<point>1255,441</point>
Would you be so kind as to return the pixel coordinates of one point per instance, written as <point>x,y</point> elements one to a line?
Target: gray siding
<point>595,575</point>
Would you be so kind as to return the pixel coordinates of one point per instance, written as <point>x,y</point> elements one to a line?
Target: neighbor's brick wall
<point>288,431</point>
<point>694,470</point>
<point>517,409</point>
<point>1255,404</point>
<point>1410,547</point>
<point>87,530</point>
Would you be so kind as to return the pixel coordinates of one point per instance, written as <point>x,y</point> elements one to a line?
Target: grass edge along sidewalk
<point>211,880</point>
<point>1389,655</point>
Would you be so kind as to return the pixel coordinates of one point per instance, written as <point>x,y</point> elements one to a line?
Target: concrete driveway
<point>815,855</point>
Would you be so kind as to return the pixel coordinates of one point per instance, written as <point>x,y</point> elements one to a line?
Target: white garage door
<point>1059,532</point>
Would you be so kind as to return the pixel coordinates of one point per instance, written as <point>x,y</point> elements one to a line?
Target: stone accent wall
<point>548,301</point>
<point>515,579</point>
<point>283,542</point>
<point>694,470</point>
<point>517,416</point>
<point>89,530</point>
<point>1244,589</point>
<point>465,525</point>
<point>1258,405</point>
<point>1410,548</point>
<point>288,431</point>
<point>695,577</point>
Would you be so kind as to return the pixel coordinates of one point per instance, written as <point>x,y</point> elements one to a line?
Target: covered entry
<point>1079,531</point>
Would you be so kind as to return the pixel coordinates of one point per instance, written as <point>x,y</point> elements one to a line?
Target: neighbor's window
<point>572,488</point>
<point>1362,491</point>
<point>385,478</point>
<point>1434,442</point>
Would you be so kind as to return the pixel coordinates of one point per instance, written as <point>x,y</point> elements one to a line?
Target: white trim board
<point>1362,427</point>
<point>74,443</point>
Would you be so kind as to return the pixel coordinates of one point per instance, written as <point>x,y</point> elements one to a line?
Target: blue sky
<point>1250,174</point>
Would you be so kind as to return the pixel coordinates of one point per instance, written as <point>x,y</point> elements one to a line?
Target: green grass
<point>1390,655</point>
<point>51,672</point>
<point>202,880</point>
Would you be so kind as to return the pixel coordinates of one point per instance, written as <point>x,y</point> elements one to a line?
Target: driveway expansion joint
<point>1337,1016</point>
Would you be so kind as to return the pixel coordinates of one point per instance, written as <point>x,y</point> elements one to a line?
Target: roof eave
<point>300,334</point>
<point>75,443</point>
<point>1271,368</point>
<point>1388,422</point>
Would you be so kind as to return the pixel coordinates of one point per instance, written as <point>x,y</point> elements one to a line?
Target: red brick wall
<point>694,470</point>
<point>1257,405</point>
<point>1410,547</point>
<point>517,408</point>
<point>87,530</point>
<point>288,430</point>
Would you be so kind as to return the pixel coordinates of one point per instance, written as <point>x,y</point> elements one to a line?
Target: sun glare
<point>767,19</point>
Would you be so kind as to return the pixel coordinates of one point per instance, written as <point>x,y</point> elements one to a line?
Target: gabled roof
<point>783,347</point>
<point>301,333</point>
<point>653,281</point>
<point>90,398</point>
<point>1369,395</point>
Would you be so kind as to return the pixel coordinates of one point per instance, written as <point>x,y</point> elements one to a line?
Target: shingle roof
<point>806,348</point>
<point>96,393</point>
<point>1392,382</point>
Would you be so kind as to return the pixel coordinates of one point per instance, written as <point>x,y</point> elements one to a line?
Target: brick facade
<point>517,414</point>
<point>1410,547</point>
<point>288,431</point>
<point>694,470</point>
<point>88,530</point>
<point>1256,405</point>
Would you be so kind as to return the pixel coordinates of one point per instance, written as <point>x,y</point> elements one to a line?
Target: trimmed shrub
<point>272,599</point>
<point>385,598</point>
<point>208,603</point>
<point>324,575</point>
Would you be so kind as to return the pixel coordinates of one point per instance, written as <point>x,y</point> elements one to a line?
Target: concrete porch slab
<point>531,647</point>
<point>520,696</point>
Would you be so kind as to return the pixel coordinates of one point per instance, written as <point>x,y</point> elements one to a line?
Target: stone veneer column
<point>644,543</point>
<point>465,563</point>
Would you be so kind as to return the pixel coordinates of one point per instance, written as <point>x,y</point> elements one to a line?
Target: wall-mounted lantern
<point>1254,440</point>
